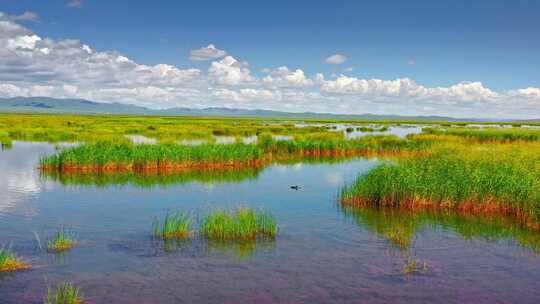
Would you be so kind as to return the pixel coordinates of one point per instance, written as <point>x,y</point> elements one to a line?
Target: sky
<point>471,59</point>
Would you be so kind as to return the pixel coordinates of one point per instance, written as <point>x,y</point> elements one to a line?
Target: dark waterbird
<point>296,187</point>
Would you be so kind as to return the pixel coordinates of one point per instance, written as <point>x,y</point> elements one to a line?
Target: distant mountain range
<point>81,106</point>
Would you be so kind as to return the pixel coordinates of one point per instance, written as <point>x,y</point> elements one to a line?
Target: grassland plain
<point>92,128</point>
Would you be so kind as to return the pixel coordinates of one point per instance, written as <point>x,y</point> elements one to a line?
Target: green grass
<point>130,156</point>
<point>65,293</point>
<point>5,140</point>
<point>174,226</point>
<point>62,240</point>
<point>94,128</point>
<point>103,153</point>
<point>469,178</point>
<point>240,224</point>
<point>489,134</point>
<point>9,261</point>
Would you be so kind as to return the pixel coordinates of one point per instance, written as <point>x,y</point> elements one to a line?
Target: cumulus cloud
<point>405,87</point>
<point>47,67</point>
<point>33,65</point>
<point>336,59</point>
<point>206,53</point>
<point>283,77</point>
<point>229,71</point>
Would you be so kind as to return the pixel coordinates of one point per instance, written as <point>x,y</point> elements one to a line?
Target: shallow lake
<point>322,253</point>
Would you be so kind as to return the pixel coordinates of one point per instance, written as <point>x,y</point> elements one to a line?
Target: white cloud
<point>407,88</point>
<point>283,77</point>
<point>229,71</point>
<point>32,65</point>
<point>206,53</point>
<point>336,59</point>
<point>26,16</point>
<point>23,42</point>
<point>10,90</point>
<point>247,94</point>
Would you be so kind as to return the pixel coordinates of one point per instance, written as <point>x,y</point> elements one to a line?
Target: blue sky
<point>434,43</point>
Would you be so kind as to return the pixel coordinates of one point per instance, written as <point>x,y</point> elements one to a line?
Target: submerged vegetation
<point>9,261</point>
<point>414,265</point>
<point>65,293</point>
<point>62,240</point>
<point>240,224</point>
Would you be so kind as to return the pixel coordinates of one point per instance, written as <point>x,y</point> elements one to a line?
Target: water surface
<point>322,253</point>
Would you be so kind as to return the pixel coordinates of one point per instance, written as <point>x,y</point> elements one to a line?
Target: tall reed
<point>499,179</point>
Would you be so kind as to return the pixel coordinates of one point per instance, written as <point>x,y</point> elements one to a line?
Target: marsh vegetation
<point>9,262</point>
<point>62,240</point>
<point>451,182</point>
<point>64,293</point>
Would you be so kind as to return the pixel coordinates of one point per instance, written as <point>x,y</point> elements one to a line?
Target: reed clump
<point>175,225</point>
<point>9,261</point>
<point>62,240</point>
<point>242,224</point>
<point>499,179</point>
<point>64,293</point>
<point>110,156</point>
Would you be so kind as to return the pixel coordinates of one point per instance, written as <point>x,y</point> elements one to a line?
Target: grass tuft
<point>62,240</point>
<point>240,224</point>
<point>65,293</point>
<point>9,261</point>
<point>174,226</point>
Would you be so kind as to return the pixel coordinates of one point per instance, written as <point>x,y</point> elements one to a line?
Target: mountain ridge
<point>83,106</point>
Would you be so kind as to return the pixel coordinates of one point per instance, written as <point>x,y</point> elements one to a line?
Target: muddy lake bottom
<point>320,254</point>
